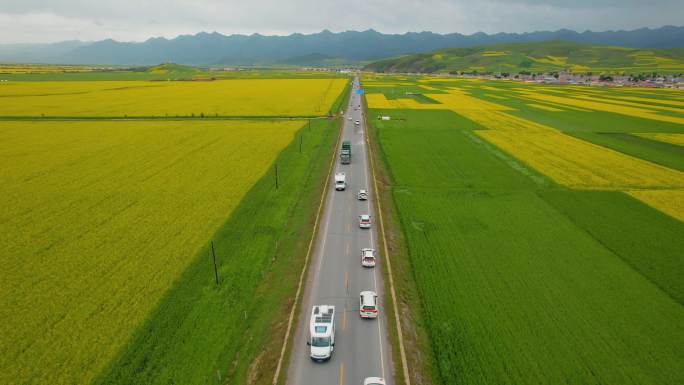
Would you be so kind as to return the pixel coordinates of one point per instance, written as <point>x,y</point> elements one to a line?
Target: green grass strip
<point>646,239</point>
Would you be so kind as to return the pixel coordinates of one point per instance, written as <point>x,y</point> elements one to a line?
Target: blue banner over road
<point>359,91</point>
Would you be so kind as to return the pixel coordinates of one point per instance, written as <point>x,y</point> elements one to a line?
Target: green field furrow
<point>517,294</point>
<point>522,280</point>
<point>646,239</point>
<point>449,134</point>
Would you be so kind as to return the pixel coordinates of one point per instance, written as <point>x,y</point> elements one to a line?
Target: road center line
<point>344,319</point>
<point>346,281</point>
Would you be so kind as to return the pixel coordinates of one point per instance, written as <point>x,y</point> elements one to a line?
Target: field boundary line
<point>400,336</point>
<point>305,268</point>
<point>158,118</point>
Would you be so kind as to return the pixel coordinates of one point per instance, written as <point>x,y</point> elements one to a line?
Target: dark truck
<point>345,154</point>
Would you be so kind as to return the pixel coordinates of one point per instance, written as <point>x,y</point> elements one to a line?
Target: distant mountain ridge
<point>312,49</point>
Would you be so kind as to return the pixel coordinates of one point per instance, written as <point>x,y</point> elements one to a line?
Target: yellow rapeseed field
<point>105,216</point>
<point>658,99</point>
<point>592,104</point>
<point>677,139</point>
<point>544,107</point>
<point>380,101</point>
<point>617,101</point>
<point>235,97</point>
<point>580,164</point>
<point>42,68</point>
<point>459,100</point>
<point>493,53</point>
<point>670,202</point>
<point>554,60</point>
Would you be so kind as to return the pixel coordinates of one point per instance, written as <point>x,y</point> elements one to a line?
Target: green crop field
<point>525,273</point>
<point>107,227</point>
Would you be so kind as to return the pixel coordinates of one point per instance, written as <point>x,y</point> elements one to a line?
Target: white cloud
<point>45,21</point>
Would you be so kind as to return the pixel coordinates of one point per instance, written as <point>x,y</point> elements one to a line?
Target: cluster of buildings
<point>657,81</point>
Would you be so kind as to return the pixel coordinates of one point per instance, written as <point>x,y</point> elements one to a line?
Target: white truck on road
<point>322,332</point>
<point>340,181</point>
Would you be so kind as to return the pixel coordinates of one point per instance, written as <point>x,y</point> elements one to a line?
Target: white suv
<point>368,304</point>
<point>364,221</point>
<point>367,257</point>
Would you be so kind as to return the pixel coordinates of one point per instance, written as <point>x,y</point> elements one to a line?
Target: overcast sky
<point>29,21</point>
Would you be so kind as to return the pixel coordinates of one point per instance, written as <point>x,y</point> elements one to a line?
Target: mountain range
<point>323,48</point>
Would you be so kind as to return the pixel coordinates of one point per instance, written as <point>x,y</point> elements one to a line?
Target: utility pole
<point>213,253</point>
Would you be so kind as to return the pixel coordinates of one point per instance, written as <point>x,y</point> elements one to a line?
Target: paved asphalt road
<point>336,277</point>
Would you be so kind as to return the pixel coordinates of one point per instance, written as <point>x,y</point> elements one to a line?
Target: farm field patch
<point>201,330</point>
<point>98,221</point>
<point>527,273</point>
<point>584,159</point>
<point>670,202</point>
<point>646,239</point>
<point>638,146</point>
<point>515,293</point>
<point>235,97</point>
<point>677,139</point>
<point>544,107</point>
<point>579,164</point>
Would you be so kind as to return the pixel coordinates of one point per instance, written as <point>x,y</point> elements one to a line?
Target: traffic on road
<point>332,346</point>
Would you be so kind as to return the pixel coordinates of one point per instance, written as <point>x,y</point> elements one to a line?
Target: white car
<point>364,221</point>
<point>368,304</point>
<point>373,381</point>
<point>349,118</point>
<point>357,122</point>
<point>362,195</point>
<point>368,257</point>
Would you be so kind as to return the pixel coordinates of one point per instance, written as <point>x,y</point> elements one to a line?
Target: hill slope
<point>313,49</point>
<point>546,56</point>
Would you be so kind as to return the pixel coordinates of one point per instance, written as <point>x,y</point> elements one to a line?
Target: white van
<point>321,332</point>
<point>340,181</point>
<point>368,304</point>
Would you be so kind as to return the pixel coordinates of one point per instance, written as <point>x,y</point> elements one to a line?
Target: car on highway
<point>357,122</point>
<point>368,304</point>
<point>367,257</point>
<point>349,118</point>
<point>364,221</point>
<point>340,181</point>
<point>374,381</point>
<point>362,195</point>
